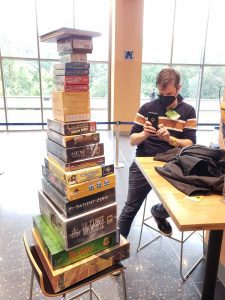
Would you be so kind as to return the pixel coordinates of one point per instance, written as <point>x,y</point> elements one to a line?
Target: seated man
<point>177,128</point>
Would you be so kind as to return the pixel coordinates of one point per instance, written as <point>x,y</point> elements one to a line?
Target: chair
<point>182,241</point>
<point>45,285</point>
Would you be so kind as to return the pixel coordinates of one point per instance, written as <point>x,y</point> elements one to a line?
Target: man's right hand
<point>138,138</point>
<point>148,129</point>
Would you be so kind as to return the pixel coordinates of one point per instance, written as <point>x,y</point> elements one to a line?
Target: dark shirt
<point>182,128</point>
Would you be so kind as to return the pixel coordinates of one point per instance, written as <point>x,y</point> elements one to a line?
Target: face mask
<point>166,100</point>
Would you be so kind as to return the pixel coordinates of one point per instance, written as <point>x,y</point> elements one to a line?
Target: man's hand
<point>148,129</point>
<point>163,133</point>
<point>138,138</point>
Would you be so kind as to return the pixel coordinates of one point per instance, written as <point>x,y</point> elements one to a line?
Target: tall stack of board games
<point>76,234</point>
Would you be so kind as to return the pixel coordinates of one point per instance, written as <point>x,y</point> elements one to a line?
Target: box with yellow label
<point>80,190</point>
<point>69,275</point>
<point>81,175</point>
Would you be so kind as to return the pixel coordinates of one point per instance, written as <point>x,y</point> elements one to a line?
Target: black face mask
<point>166,100</point>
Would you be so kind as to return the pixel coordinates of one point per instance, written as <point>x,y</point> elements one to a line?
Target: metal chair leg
<point>182,241</point>
<point>142,225</point>
<point>31,284</point>
<point>90,291</point>
<point>184,277</point>
<point>124,284</point>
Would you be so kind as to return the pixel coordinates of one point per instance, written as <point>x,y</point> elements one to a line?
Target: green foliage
<point>149,73</point>
<point>99,80</point>
<point>47,77</point>
<point>213,78</point>
<point>21,78</point>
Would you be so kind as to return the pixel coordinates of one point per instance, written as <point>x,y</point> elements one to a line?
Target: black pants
<point>137,192</point>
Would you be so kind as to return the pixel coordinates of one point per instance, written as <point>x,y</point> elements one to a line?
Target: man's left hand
<point>163,133</point>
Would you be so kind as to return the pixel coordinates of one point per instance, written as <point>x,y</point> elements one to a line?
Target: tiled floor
<point>152,273</point>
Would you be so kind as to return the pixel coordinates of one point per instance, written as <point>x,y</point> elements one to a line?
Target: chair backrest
<point>44,282</point>
<point>38,269</point>
<point>32,261</point>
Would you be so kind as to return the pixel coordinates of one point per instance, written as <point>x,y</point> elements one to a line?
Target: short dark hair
<point>166,76</point>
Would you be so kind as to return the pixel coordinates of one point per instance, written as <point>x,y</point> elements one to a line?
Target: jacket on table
<point>194,170</point>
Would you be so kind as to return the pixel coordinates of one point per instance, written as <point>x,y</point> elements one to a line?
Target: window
<point>27,74</point>
<point>19,37</point>
<point>21,79</point>
<point>189,32</point>
<point>198,51</point>
<point>215,47</point>
<point>213,79</point>
<point>53,15</point>
<point>157,30</point>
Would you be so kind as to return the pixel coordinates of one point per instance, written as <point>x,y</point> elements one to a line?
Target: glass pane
<point>189,31</point>
<point>215,47</point>
<point>190,81</point>
<point>2,107</point>
<point>21,79</point>
<point>47,114</point>
<point>213,79</point>
<point>157,30</point>
<point>148,87</point>
<point>94,16</point>
<point>19,37</point>
<point>2,114</point>
<point>47,82</point>
<point>24,116</point>
<point>53,15</point>
<point>99,93</point>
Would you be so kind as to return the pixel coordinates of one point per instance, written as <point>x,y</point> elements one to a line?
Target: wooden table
<point>207,214</point>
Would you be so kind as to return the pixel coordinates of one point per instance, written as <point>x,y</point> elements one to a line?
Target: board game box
<point>72,128</point>
<point>75,153</point>
<point>73,140</point>
<point>58,256</point>
<point>79,229</point>
<point>74,208</point>
<point>80,190</point>
<point>75,165</point>
<point>61,100</point>
<point>78,176</point>
<point>66,276</point>
<point>71,114</point>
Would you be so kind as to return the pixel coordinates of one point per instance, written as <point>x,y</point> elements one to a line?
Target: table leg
<point>212,264</point>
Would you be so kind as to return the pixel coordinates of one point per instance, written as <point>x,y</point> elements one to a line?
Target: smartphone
<point>154,119</point>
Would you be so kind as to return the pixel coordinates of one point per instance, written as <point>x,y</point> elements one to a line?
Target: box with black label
<point>75,153</point>
<point>75,165</point>
<point>74,208</point>
<point>74,140</point>
<point>72,128</point>
<point>80,229</point>
<point>58,256</point>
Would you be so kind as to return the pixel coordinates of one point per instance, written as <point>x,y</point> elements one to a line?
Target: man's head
<point>168,84</point>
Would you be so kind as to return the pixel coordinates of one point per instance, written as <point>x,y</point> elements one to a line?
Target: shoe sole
<point>116,273</point>
<point>166,234</point>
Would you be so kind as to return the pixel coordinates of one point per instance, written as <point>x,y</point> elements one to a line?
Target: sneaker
<point>116,273</point>
<point>163,226</point>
